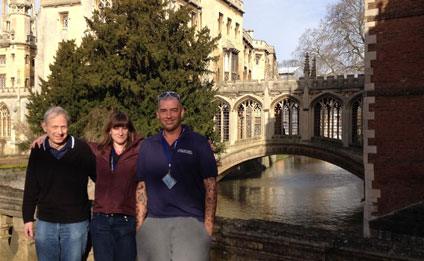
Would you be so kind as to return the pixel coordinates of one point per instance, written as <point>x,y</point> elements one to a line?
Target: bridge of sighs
<point>317,117</point>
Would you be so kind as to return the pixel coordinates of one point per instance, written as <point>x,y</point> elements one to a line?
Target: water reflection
<point>296,190</point>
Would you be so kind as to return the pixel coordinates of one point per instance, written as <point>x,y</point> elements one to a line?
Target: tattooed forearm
<point>210,203</point>
<point>141,203</point>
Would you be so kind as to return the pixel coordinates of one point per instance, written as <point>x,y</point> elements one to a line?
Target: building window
<point>2,81</point>
<point>222,121</point>
<point>31,78</point>
<point>218,75</point>
<point>286,117</point>
<point>3,59</point>
<point>26,82</point>
<point>234,67</point>
<point>13,57</point>
<point>357,122</point>
<point>257,58</point>
<point>236,30</point>
<point>64,20</point>
<point>245,73</point>
<point>193,19</point>
<point>220,22</point>
<point>228,26</point>
<point>328,118</point>
<point>249,123</point>
<point>231,65</point>
<point>27,59</point>
<point>8,26</point>
<point>12,81</point>
<point>5,124</point>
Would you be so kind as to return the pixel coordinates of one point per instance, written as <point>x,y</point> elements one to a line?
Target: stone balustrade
<point>241,86</point>
<point>332,82</point>
<point>320,83</point>
<point>21,2</point>
<point>23,91</point>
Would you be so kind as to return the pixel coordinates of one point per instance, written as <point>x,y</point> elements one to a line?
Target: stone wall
<point>236,239</point>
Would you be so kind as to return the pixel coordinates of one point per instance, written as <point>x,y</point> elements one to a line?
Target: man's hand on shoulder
<point>38,141</point>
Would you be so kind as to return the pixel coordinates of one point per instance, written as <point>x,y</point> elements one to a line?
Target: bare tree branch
<point>338,42</point>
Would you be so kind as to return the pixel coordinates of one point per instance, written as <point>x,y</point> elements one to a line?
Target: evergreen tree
<point>132,52</point>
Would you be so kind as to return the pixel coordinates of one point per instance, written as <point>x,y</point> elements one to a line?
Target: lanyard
<point>166,150</point>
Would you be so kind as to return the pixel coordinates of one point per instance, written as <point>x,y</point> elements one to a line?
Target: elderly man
<point>177,186</point>
<point>56,184</point>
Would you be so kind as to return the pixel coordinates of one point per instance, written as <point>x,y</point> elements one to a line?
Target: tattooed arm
<point>141,204</point>
<point>210,203</point>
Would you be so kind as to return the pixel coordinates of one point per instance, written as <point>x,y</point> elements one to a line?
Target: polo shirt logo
<point>185,151</point>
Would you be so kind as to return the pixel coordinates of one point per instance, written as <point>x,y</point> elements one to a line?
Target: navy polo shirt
<point>192,161</point>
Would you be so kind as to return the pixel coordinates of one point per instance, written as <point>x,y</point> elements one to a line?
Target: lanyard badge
<point>168,179</point>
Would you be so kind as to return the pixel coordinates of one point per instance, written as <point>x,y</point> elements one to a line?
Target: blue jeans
<point>113,237</point>
<point>58,241</point>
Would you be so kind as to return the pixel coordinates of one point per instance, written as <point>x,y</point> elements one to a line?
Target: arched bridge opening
<point>346,158</point>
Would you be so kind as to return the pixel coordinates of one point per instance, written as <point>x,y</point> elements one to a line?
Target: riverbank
<point>249,240</point>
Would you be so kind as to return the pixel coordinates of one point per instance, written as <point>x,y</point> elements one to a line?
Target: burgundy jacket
<point>115,191</point>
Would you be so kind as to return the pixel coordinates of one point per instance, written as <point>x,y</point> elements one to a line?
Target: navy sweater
<point>58,187</point>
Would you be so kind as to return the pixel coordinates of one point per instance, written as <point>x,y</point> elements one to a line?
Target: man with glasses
<point>177,173</point>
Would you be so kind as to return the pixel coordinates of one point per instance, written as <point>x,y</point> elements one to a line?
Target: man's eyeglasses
<point>169,94</point>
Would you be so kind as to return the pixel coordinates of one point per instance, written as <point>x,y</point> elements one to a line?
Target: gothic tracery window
<point>249,122</point>
<point>104,3</point>
<point>286,117</point>
<point>5,123</point>
<point>222,121</point>
<point>328,118</point>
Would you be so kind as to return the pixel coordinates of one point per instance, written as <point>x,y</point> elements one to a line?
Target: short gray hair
<point>55,111</point>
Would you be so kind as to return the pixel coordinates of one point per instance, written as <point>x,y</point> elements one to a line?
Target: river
<point>296,190</point>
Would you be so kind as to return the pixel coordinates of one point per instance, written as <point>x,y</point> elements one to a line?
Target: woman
<point>113,224</point>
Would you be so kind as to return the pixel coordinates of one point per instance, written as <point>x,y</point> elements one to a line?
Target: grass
<point>14,166</point>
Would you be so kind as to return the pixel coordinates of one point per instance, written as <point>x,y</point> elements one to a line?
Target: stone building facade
<point>60,20</point>
<point>260,62</point>
<point>240,56</point>
<point>394,118</point>
<point>17,52</point>
<point>25,58</point>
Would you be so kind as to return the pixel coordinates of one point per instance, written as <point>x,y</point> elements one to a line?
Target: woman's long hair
<point>117,119</point>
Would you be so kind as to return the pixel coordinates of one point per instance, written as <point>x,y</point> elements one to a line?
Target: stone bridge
<point>316,117</point>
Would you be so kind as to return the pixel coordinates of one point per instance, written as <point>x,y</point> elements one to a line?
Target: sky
<point>281,22</point>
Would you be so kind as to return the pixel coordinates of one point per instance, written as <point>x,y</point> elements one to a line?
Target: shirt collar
<point>70,143</point>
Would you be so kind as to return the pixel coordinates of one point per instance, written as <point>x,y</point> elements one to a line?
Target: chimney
<point>314,68</point>
<point>306,69</point>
